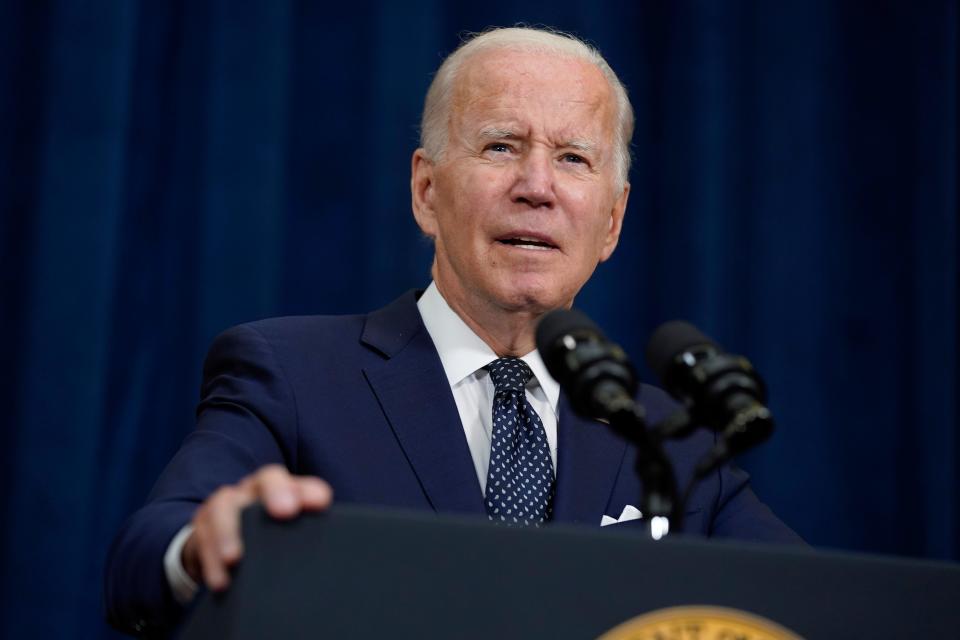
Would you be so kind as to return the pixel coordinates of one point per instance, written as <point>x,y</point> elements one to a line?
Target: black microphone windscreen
<point>669,340</point>
<point>560,322</point>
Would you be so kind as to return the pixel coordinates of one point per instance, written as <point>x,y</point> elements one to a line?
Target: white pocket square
<point>630,512</point>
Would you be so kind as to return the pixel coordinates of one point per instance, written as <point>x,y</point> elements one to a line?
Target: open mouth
<point>526,242</point>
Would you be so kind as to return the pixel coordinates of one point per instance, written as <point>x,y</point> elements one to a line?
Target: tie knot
<point>509,374</point>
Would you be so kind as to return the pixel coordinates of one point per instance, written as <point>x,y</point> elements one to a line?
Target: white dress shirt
<point>463,355</point>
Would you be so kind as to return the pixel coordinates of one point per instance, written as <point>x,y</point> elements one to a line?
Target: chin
<point>533,297</point>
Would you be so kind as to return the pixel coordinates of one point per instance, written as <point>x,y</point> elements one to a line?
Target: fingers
<point>224,521</point>
<point>216,543</point>
<point>278,491</point>
<point>315,494</point>
<point>284,495</point>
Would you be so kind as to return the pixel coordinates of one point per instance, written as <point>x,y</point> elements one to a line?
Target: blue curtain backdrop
<point>168,169</point>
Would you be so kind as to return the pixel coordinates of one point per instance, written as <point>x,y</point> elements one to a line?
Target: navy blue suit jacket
<point>363,402</point>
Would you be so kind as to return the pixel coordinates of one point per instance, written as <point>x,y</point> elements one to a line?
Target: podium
<point>364,573</point>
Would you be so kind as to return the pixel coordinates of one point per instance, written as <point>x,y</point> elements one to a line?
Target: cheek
<point>585,197</point>
<point>596,237</point>
<point>473,200</point>
<point>460,225</point>
<point>580,198</point>
<point>592,218</point>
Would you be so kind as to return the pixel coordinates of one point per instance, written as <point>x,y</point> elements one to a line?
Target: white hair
<point>436,108</point>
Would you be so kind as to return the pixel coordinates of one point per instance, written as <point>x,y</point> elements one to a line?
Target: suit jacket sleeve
<point>723,505</point>
<point>247,418</point>
<point>738,512</point>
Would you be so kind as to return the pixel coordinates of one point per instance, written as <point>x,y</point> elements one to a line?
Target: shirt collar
<point>462,352</point>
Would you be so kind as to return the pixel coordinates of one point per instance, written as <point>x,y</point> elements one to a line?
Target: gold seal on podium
<point>699,623</point>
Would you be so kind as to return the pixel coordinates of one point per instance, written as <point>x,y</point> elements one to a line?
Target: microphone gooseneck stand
<point>659,502</point>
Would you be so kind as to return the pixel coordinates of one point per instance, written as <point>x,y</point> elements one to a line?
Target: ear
<point>421,192</point>
<point>616,223</point>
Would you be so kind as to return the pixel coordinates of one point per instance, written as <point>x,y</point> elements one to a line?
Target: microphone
<point>595,373</point>
<point>718,390</point>
<point>601,383</point>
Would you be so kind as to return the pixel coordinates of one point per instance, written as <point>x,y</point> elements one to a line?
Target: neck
<point>507,333</point>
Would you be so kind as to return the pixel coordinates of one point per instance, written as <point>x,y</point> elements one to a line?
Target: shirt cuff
<point>182,585</point>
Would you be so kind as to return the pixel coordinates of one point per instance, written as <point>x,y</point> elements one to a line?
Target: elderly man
<point>521,184</point>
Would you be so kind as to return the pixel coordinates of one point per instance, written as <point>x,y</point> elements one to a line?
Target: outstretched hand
<point>215,544</point>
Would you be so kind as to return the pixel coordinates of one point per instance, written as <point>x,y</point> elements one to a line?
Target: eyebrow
<point>495,133</point>
<point>580,145</point>
<point>492,133</point>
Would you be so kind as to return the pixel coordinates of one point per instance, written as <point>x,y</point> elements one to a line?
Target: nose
<point>534,184</point>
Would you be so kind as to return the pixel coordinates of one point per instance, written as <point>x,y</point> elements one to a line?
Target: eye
<point>498,147</point>
<point>573,158</point>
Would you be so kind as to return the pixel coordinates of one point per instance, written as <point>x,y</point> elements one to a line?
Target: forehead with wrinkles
<point>569,95</point>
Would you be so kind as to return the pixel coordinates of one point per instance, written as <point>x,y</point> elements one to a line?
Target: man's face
<point>524,203</point>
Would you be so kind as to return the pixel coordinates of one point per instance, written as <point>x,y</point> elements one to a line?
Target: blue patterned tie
<point>520,477</point>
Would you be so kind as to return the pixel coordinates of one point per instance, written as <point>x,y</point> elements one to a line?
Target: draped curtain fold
<point>170,169</point>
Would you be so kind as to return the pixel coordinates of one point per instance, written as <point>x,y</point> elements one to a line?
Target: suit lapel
<point>413,391</point>
<point>589,458</point>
